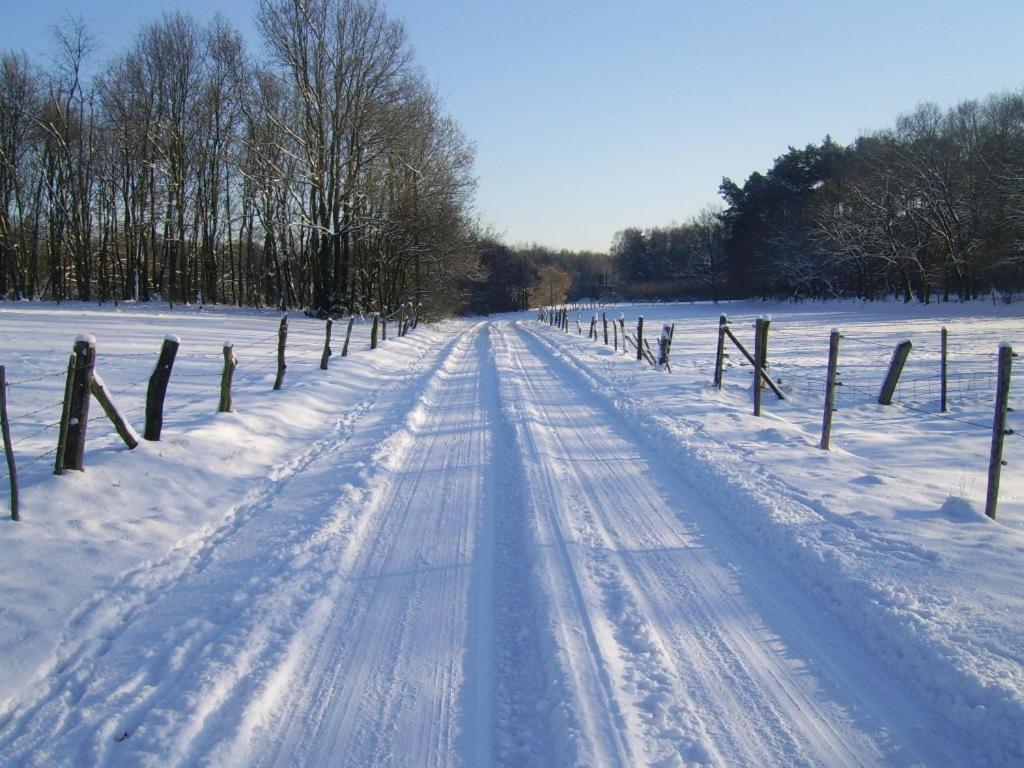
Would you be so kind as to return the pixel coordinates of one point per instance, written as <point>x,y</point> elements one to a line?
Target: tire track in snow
<point>381,685</point>
<point>534,721</point>
<point>168,652</point>
<point>692,647</point>
<point>595,716</point>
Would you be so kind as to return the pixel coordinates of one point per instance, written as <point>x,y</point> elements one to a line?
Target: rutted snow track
<point>695,650</point>
<point>480,565</point>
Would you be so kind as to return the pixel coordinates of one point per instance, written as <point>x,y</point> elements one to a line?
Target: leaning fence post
<point>892,378</point>
<point>723,323</point>
<point>640,338</point>
<point>999,430</point>
<point>124,429</point>
<point>5,429</point>
<point>373,330</point>
<point>282,339</point>
<point>327,345</point>
<point>943,369</point>
<point>157,389</point>
<point>230,361</point>
<point>78,413</point>
<point>348,335</point>
<point>830,388</point>
<point>65,416</point>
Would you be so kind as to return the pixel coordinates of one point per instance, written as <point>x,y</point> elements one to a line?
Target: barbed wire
<point>41,377</point>
<point>273,335</point>
<point>36,411</point>
<point>131,386</point>
<point>870,342</point>
<point>35,459</point>
<point>107,355</point>
<point>941,416</point>
<point>38,432</point>
<point>252,374</point>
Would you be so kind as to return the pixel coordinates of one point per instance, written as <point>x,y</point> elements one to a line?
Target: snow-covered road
<point>480,563</point>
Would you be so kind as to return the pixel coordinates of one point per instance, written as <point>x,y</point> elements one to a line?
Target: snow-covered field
<point>494,543</point>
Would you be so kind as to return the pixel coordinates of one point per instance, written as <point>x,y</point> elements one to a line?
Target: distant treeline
<point>326,176</point>
<point>933,208</point>
<point>523,276</point>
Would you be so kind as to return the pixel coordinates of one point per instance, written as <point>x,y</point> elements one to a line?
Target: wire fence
<point>951,386</point>
<point>127,376</point>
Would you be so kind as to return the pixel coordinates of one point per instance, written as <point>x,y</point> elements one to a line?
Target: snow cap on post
<point>86,338</point>
<point>227,343</point>
<point>172,337</point>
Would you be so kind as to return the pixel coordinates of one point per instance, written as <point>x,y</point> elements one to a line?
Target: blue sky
<point>589,117</point>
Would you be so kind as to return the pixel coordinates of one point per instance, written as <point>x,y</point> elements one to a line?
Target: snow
<point>494,543</point>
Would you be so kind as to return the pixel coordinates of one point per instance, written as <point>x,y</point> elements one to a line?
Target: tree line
<point>515,278</point>
<point>932,208</point>
<point>325,176</point>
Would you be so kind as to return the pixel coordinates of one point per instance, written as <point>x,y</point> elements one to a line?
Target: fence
<point>61,396</point>
<point>940,378</point>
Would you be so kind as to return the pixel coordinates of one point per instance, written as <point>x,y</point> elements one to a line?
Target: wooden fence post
<point>157,389</point>
<point>282,339</point>
<point>384,323</point>
<point>604,322</point>
<point>65,416</point>
<point>640,338</point>
<point>622,327</point>
<point>830,388</point>
<point>665,346</point>
<point>892,378</point>
<point>373,330</point>
<point>123,428</point>
<point>327,346</point>
<point>723,323</point>
<point>230,361</point>
<point>999,430</point>
<point>943,369</point>
<point>760,339</point>
<point>765,378</point>
<point>615,334</point>
<point>593,328</point>
<point>78,413</point>
<point>348,335</point>
<point>5,430</point>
